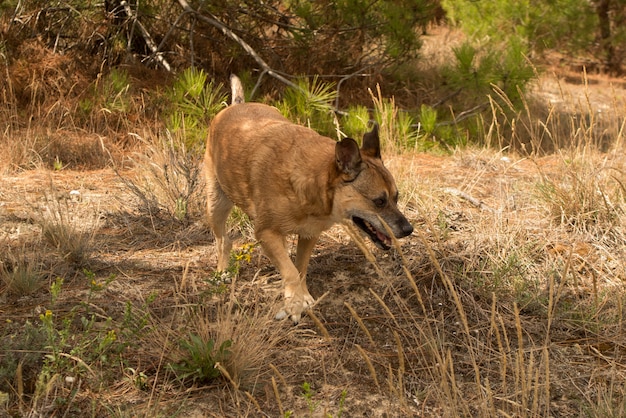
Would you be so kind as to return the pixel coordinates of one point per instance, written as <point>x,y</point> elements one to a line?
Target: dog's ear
<point>371,142</point>
<point>348,157</point>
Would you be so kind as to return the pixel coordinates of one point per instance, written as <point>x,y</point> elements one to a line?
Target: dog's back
<point>270,167</point>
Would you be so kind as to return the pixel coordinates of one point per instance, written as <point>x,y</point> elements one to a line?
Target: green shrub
<point>200,359</point>
<point>477,70</point>
<point>192,104</point>
<point>355,122</point>
<point>310,104</point>
<point>566,24</point>
<point>107,103</point>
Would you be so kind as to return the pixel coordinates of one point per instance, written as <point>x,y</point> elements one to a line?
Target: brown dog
<point>291,180</point>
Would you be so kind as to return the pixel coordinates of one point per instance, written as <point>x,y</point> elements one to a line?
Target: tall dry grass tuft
<point>556,118</point>
<point>396,128</point>
<point>69,227</point>
<point>246,328</point>
<point>588,195</point>
<point>167,179</point>
<point>254,334</point>
<point>453,365</point>
<point>21,273</point>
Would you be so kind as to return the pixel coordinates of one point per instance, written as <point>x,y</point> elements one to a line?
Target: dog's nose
<point>406,228</point>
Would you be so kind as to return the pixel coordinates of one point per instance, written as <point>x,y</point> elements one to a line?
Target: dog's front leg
<point>303,255</point>
<point>297,296</point>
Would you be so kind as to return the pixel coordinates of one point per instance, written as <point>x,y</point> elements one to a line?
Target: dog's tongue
<point>383,238</point>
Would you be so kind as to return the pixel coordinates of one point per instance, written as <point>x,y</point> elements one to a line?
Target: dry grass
<point>67,226</point>
<point>21,273</point>
<point>167,179</point>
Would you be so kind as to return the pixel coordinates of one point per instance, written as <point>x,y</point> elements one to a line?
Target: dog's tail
<point>237,90</point>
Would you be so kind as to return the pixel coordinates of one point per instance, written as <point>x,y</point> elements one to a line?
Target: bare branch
<point>232,35</point>
<point>358,73</point>
<point>146,36</point>
<point>465,114</point>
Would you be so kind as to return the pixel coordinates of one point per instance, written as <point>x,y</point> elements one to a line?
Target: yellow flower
<point>47,316</point>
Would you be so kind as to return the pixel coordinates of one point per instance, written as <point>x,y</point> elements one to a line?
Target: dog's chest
<point>313,226</point>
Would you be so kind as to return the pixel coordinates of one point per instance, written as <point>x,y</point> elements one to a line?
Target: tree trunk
<point>612,64</point>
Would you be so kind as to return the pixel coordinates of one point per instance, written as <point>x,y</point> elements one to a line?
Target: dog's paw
<point>282,314</point>
<point>295,306</point>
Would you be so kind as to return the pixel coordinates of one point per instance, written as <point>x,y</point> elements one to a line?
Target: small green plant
<point>109,100</point>
<point>57,165</point>
<point>200,357</point>
<point>355,122</point>
<point>136,320</point>
<point>428,120</point>
<point>55,289</point>
<point>138,378</point>
<point>239,220</point>
<point>192,103</point>
<point>433,135</point>
<point>310,104</point>
<point>115,91</point>
<point>57,344</point>
<point>94,286</point>
<point>307,394</point>
<point>237,257</point>
<point>342,401</point>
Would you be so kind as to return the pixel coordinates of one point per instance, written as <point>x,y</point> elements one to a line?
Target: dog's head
<point>367,191</point>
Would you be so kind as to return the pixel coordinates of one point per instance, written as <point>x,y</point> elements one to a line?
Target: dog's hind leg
<point>218,209</point>
<point>297,296</point>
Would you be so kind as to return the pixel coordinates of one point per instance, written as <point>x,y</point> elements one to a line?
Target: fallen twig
<point>476,202</point>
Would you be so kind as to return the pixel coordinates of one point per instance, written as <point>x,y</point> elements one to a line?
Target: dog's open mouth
<point>379,238</point>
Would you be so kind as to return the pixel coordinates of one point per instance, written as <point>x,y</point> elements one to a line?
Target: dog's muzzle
<point>380,238</point>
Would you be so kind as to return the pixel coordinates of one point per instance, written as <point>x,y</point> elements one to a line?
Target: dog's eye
<point>380,202</point>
